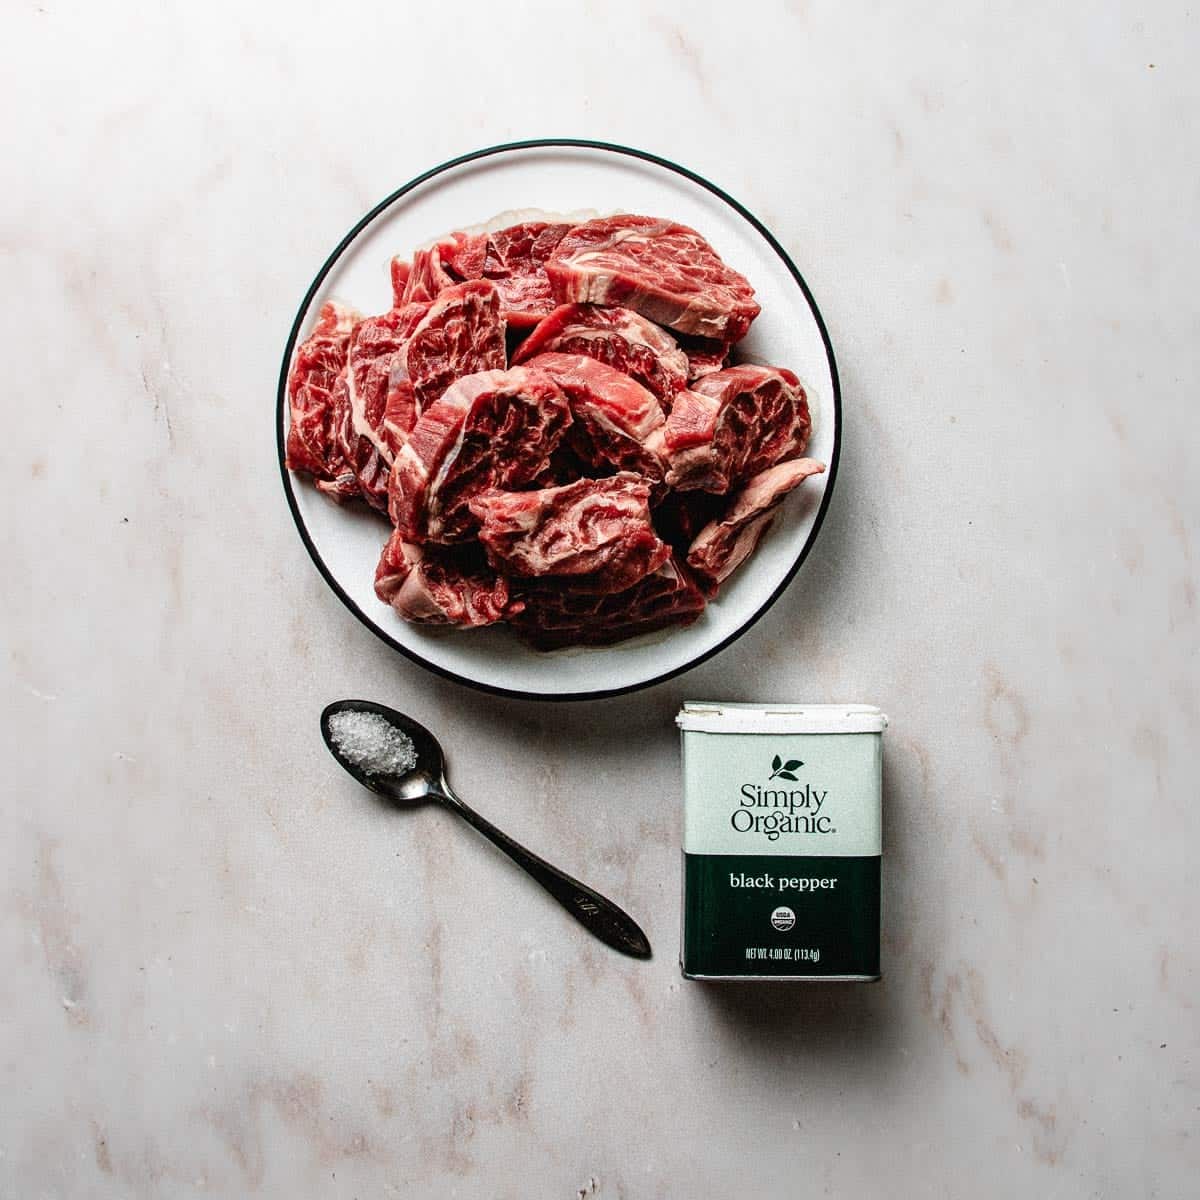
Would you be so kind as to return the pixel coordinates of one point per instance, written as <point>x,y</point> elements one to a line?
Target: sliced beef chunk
<point>594,533</point>
<point>376,356</point>
<point>435,585</point>
<point>618,337</point>
<point>464,255</point>
<point>733,424</point>
<point>318,400</point>
<point>618,424</point>
<point>555,616</point>
<point>339,479</point>
<point>365,471</point>
<point>514,259</point>
<point>663,270</point>
<point>723,545</point>
<point>404,359</point>
<point>395,563</point>
<point>493,429</point>
<point>428,275</point>
<point>462,332</point>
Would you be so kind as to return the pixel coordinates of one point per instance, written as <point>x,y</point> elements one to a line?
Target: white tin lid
<point>700,716</point>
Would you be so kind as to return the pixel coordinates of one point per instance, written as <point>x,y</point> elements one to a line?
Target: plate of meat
<point>567,450</point>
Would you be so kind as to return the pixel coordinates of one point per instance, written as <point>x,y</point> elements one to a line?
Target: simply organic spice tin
<point>781,840</point>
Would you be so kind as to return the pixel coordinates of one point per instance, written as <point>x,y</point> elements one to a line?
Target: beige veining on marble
<point>225,970</point>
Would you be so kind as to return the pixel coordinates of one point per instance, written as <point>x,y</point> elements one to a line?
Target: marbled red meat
<point>439,586</point>
<point>555,616</point>
<point>616,336</point>
<point>464,255</point>
<point>724,544</point>
<point>514,259</point>
<point>594,534</point>
<point>366,470</point>
<point>618,424</point>
<point>733,424</point>
<point>663,270</point>
<point>491,429</point>
<point>405,358</point>
<point>463,332</point>
<point>378,411</point>
<point>428,275</point>
<point>601,485</point>
<point>399,269</point>
<point>318,401</point>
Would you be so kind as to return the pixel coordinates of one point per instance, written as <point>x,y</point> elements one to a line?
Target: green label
<point>782,794</point>
<point>748,914</point>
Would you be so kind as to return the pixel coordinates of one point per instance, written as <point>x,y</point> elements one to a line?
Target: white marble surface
<point>225,971</point>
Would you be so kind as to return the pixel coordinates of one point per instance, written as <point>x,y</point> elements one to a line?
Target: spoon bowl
<point>399,759</point>
<point>424,781</point>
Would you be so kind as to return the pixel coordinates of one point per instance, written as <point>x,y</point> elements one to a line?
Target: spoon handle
<point>599,915</point>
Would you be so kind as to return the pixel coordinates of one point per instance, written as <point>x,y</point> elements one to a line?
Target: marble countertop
<point>225,971</point>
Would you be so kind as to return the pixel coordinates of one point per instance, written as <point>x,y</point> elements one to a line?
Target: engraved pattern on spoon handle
<point>604,919</point>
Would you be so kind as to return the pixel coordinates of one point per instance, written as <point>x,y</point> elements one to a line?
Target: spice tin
<point>782,841</point>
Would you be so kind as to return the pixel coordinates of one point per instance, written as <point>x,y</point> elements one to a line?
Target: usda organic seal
<point>783,918</point>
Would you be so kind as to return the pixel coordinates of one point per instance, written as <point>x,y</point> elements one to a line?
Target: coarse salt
<point>372,743</point>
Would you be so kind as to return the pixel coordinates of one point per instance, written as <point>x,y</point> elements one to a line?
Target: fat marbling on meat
<point>435,585</point>
<point>554,616</point>
<point>617,337</point>
<point>724,544</point>
<point>661,269</point>
<point>461,333</point>
<point>594,534</point>
<point>490,429</point>
<point>734,423</point>
<point>618,425</point>
<point>321,441</point>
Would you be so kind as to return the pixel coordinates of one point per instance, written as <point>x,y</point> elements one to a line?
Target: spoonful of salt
<point>399,759</point>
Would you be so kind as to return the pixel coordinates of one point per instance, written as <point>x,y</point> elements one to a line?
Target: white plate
<point>566,176</point>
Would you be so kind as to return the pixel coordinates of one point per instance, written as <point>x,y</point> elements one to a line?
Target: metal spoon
<point>426,780</point>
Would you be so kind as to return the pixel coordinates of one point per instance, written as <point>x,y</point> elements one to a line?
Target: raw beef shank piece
<point>723,545</point>
<point>376,355</point>
<point>594,534</point>
<point>618,424</point>
<point>428,275</point>
<point>492,429</point>
<point>364,470</point>
<point>438,586</point>
<point>616,336</point>
<point>733,424</point>
<point>555,616</point>
<point>663,270</point>
<point>395,564</point>
<point>318,400</point>
<point>462,332</point>
<point>514,259</point>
